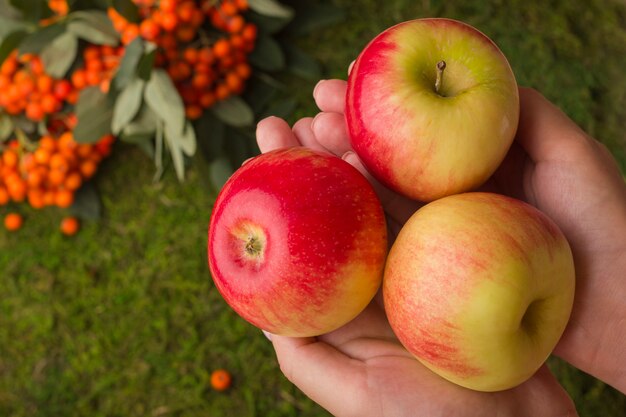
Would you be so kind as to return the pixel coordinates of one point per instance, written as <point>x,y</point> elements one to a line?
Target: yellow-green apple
<point>479,287</point>
<point>297,242</point>
<point>432,107</point>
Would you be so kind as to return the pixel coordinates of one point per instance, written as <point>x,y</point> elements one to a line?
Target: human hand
<point>361,369</point>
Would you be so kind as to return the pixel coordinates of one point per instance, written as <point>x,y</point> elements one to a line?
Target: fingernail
<point>316,86</point>
<point>347,155</point>
<point>268,335</point>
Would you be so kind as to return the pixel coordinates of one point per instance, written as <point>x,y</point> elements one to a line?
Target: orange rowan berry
<point>228,9</point>
<point>10,158</point>
<point>4,196</point>
<point>207,100</point>
<point>206,56</point>
<point>249,32</point>
<point>64,198</point>
<point>186,11</point>
<point>88,168</point>
<point>222,92</point>
<point>62,89</point>
<point>48,143</point>
<point>235,24</point>
<point>191,55</point>
<point>35,198</point>
<point>200,81</point>
<point>69,226</point>
<point>56,177</point>
<point>243,70</point>
<point>149,29</point>
<point>49,198</point>
<point>234,82</point>
<point>169,21</point>
<point>168,5</point>
<point>220,380</point>
<point>130,33</point>
<point>221,48</point>
<point>42,156</point>
<point>193,112</point>
<point>13,222</point>
<point>73,181</point>
<point>79,79</point>
<point>185,33</point>
<point>49,104</point>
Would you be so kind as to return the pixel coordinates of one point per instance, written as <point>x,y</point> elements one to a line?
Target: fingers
<point>330,131</point>
<point>274,133</point>
<point>319,369</point>
<point>545,132</point>
<point>330,95</point>
<point>303,131</point>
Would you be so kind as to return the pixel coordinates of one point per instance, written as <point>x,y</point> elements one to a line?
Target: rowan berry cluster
<point>49,173</point>
<point>202,45</point>
<point>100,64</point>
<point>26,88</point>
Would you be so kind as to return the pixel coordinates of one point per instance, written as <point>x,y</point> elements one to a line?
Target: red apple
<point>432,107</point>
<point>479,287</point>
<point>297,242</point>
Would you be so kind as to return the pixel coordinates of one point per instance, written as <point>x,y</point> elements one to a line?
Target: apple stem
<point>441,65</point>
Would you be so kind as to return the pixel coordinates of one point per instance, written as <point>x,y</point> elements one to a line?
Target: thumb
<point>327,376</point>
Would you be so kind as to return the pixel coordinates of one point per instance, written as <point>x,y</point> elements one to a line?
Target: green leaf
<point>8,26</point>
<point>9,43</point>
<point>234,111</point>
<point>146,63</point>
<point>8,12</point>
<point>32,10</point>
<point>143,141</point>
<point>270,8</point>
<point>37,41</point>
<point>282,109</point>
<point>258,93</point>
<point>220,171</point>
<point>94,26</point>
<point>268,24</point>
<point>240,145</point>
<point>210,136</point>
<point>87,204</point>
<point>128,9</point>
<point>145,123</point>
<point>302,64</point>
<point>128,66</point>
<point>178,157</point>
<point>185,140</point>
<point>6,127</point>
<point>314,17</point>
<point>127,105</point>
<point>58,56</point>
<point>94,111</point>
<point>267,54</point>
<point>162,97</point>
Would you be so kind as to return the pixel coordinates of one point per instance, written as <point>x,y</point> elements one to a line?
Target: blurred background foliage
<point>123,319</point>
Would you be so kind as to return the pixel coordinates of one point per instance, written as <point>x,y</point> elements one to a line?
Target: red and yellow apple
<point>297,242</point>
<point>432,107</point>
<point>479,288</point>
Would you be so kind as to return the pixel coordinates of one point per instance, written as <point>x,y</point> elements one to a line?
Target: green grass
<point>123,320</point>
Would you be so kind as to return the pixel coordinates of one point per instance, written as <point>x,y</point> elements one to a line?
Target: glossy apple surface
<point>297,242</point>
<point>479,287</point>
<point>427,142</point>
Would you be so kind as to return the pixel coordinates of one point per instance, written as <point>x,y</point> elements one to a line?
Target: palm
<point>376,374</point>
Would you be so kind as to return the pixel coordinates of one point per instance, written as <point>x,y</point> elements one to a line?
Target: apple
<point>432,108</point>
<point>479,288</point>
<point>297,242</point>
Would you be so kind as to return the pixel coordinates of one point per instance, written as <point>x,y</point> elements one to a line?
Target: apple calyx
<point>253,246</point>
<point>441,65</point>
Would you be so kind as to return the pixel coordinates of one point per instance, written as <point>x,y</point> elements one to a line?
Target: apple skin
<point>479,288</point>
<point>419,142</point>
<point>319,242</point>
